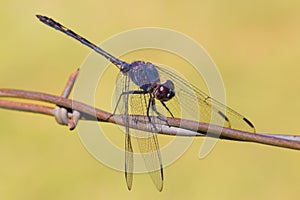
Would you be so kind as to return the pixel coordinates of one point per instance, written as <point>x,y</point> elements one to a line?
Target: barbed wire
<point>69,112</point>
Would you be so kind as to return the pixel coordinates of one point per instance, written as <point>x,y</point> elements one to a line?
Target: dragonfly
<point>140,87</point>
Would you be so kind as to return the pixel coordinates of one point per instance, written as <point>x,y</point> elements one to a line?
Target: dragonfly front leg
<point>167,108</point>
<point>159,115</point>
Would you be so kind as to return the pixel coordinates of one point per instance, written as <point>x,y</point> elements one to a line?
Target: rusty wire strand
<point>175,126</point>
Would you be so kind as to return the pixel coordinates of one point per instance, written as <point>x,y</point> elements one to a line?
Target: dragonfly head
<point>165,91</point>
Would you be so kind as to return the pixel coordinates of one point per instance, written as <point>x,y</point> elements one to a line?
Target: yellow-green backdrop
<point>256,46</point>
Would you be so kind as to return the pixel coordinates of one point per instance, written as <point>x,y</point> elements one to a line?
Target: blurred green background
<point>256,46</point>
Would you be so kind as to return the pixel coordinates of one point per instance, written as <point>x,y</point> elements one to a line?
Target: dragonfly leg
<point>151,100</point>
<point>150,104</point>
<point>159,115</point>
<point>167,108</point>
<point>125,93</point>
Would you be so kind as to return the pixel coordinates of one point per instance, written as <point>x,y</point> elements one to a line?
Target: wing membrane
<point>147,141</point>
<point>148,145</point>
<point>208,107</point>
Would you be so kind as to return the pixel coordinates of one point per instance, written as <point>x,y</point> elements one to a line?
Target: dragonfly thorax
<point>144,75</point>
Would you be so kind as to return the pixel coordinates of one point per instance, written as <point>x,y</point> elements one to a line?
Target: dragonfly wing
<point>191,96</point>
<point>131,103</point>
<point>148,145</point>
<point>128,160</point>
<point>122,107</point>
<point>147,141</point>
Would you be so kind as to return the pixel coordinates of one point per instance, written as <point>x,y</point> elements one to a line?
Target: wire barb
<point>66,116</point>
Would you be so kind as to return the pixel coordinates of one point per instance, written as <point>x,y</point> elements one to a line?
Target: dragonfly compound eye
<point>163,93</point>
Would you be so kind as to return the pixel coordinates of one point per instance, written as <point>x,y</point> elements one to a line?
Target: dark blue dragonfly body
<point>146,79</point>
<point>144,74</point>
